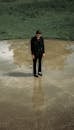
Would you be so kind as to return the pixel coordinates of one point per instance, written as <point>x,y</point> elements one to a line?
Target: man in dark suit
<point>38,51</point>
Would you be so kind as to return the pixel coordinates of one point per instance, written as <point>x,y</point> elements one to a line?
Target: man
<point>38,51</point>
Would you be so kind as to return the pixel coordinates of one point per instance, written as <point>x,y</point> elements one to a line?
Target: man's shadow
<point>19,74</point>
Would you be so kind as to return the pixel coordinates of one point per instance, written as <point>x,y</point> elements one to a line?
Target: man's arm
<point>32,47</point>
<point>43,45</point>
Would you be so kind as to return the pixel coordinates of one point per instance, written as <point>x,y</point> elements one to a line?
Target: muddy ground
<point>43,103</point>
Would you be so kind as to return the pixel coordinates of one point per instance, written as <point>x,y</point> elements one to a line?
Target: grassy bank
<point>55,18</point>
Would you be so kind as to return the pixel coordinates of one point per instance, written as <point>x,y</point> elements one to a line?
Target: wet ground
<point>28,103</point>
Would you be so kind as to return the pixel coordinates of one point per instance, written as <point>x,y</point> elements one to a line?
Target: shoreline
<point>47,39</point>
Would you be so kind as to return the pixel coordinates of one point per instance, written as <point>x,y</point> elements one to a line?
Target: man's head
<point>38,34</point>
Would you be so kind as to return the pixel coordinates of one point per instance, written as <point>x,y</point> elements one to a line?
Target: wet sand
<point>43,103</point>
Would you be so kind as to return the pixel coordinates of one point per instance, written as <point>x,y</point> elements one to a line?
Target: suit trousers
<point>39,59</point>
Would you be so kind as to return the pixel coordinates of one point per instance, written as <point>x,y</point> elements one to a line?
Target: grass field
<point>21,18</point>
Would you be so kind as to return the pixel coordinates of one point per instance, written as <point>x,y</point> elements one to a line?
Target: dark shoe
<point>35,75</point>
<point>40,74</point>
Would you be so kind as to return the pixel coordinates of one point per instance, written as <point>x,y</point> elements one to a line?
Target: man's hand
<point>43,54</point>
<point>33,56</point>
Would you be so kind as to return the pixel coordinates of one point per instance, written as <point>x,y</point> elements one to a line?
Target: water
<point>36,103</point>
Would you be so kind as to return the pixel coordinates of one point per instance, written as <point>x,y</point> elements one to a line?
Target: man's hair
<point>38,32</point>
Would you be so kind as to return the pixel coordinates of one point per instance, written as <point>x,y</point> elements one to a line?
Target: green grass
<point>21,20</point>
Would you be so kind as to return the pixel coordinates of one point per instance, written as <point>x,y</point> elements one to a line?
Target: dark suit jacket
<point>37,46</point>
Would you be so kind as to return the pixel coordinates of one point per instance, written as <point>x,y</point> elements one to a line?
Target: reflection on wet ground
<point>28,103</point>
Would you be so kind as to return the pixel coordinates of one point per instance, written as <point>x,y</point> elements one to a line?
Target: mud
<point>43,103</point>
